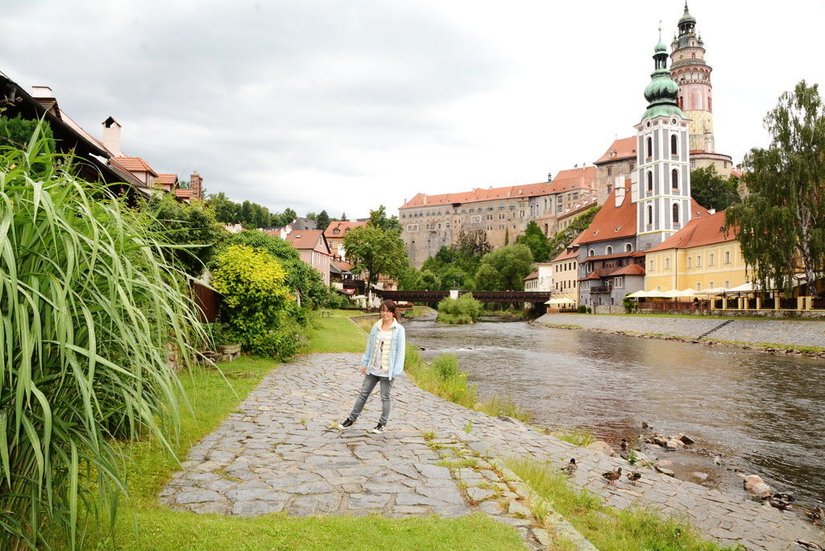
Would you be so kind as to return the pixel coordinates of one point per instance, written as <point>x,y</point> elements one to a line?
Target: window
<point>649,215</point>
<point>608,250</point>
<point>610,171</point>
<point>618,282</point>
<point>674,179</point>
<point>690,262</point>
<point>649,147</point>
<point>667,263</point>
<point>698,262</point>
<point>628,247</point>
<point>727,259</point>
<point>412,227</point>
<point>591,252</point>
<point>675,213</point>
<point>650,180</point>
<point>711,260</point>
<point>673,144</point>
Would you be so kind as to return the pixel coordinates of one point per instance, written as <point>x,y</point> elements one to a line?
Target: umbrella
<point>744,288</point>
<point>637,294</point>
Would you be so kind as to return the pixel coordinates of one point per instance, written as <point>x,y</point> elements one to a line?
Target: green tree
<point>225,210</point>
<point>781,221</point>
<point>534,238</point>
<point>564,237</point>
<point>379,219</point>
<point>17,132</point>
<point>322,221</point>
<point>376,251</point>
<point>190,228</point>
<point>711,190</point>
<point>511,264</point>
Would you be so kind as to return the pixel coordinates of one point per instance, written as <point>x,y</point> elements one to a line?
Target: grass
<point>577,437</point>
<point>608,528</point>
<point>336,333</point>
<point>143,524</point>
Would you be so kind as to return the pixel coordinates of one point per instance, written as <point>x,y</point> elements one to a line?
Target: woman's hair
<point>389,306</point>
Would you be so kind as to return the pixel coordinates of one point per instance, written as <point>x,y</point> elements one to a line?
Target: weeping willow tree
<point>781,221</point>
<point>89,312</point>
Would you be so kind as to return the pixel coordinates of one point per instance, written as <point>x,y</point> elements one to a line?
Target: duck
<point>613,476</point>
<point>570,468</point>
<point>781,500</point>
<point>634,476</point>
<point>623,449</point>
<point>815,513</point>
<point>809,545</point>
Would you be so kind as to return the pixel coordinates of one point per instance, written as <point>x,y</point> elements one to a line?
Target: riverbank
<point>278,454</point>
<point>803,337</point>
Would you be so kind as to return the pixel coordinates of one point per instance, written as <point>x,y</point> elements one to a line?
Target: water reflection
<point>769,411</point>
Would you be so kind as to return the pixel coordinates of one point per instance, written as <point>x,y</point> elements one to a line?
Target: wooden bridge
<point>537,298</point>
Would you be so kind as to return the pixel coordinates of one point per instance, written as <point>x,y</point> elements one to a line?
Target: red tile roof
<point>620,149</point>
<point>134,164</point>
<point>183,193</point>
<point>630,269</point>
<point>342,226</point>
<point>611,222</point>
<point>528,190</point>
<point>533,275</point>
<point>306,239</point>
<point>166,179</point>
<point>704,230</point>
<point>566,255</point>
<point>574,178</point>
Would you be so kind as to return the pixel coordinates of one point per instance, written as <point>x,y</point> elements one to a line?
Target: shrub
<point>251,283</point>
<point>91,310</point>
<point>463,310</point>
<point>280,344</point>
<point>582,309</point>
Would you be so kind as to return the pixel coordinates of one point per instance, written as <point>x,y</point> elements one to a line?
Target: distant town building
<point>314,250</point>
<point>335,233</point>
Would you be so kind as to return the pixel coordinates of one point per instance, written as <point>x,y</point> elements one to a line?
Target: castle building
<point>497,215</point>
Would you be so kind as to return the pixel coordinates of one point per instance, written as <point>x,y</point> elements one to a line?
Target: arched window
<point>650,180</point>
<point>608,250</point>
<point>674,179</point>
<point>675,213</point>
<point>650,147</point>
<point>673,144</point>
<point>591,252</point>
<point>650,214</point>
<point>628,247</point>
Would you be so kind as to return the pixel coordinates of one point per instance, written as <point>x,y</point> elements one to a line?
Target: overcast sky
<point>345,105</point>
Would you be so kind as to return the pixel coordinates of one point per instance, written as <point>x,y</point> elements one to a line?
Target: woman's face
<point>385,314</point>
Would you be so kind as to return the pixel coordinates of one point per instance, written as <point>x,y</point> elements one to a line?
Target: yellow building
<point>700,256</point>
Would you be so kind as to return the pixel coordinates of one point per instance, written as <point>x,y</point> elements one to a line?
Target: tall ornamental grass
<point>89,312</point>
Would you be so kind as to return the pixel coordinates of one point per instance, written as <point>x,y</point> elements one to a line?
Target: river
<point>763,413</point>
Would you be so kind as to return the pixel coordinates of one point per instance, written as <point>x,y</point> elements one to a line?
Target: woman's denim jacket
<point>397,348</point>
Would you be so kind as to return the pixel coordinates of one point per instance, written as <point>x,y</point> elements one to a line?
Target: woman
<point>383,361</point>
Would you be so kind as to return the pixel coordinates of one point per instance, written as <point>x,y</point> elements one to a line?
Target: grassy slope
<point>144,524</point>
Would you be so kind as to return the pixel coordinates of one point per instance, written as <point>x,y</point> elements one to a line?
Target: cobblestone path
<point>280,453</point>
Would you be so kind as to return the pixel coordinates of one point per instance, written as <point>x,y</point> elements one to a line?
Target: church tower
<point>663,164</point>
<point>692,74</point>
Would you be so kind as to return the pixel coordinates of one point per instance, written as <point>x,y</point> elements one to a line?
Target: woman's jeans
<point>366,389</point>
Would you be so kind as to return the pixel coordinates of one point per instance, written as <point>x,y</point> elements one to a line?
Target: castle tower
<point>692,74</point>
<point>663,164</point>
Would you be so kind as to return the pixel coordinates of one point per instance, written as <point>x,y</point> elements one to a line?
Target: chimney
<point>41,91</point>
<point>619,195</point>
<point>195,186</point>
<point>111,136</point>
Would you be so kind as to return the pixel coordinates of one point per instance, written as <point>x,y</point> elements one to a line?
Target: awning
<point>560,301</point>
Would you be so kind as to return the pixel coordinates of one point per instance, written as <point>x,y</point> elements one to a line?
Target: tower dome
<point>662,92</point>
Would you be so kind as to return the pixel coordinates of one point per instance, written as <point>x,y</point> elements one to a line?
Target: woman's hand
<point>362,369</point>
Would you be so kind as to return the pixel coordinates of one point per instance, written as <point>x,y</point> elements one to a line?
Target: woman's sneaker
<point>379,429</point>
<point>347,423</point>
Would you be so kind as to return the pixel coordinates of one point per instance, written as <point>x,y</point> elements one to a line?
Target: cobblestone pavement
<point>280,453</point>
<point>768,331</point>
